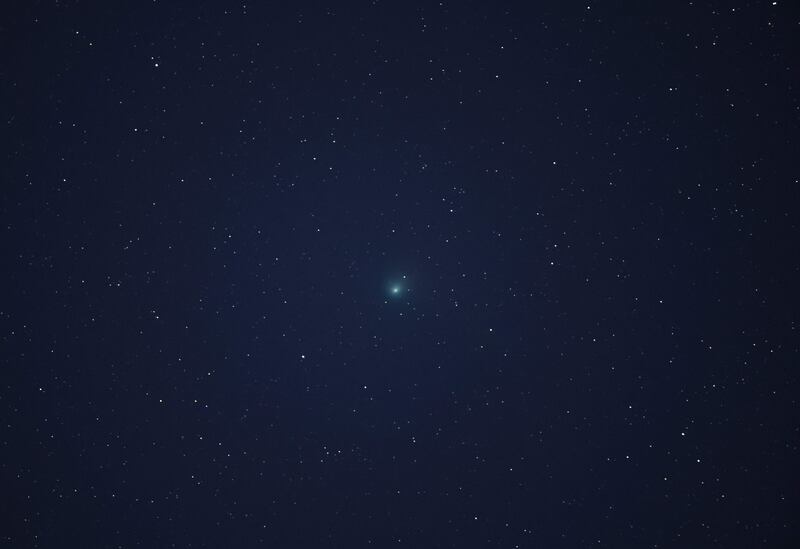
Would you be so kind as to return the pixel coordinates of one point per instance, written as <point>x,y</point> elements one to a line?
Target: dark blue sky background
<point>592,213</point>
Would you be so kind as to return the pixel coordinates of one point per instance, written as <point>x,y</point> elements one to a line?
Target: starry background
<point>590,214</point>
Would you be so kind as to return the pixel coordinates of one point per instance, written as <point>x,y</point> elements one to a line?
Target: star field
<point>391,274</point>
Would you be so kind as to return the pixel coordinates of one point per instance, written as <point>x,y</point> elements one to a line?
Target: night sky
<point>414,274</point>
